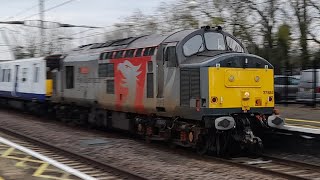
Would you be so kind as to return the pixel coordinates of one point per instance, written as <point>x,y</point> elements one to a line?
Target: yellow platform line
<point>302,120</point>
<point>304,125</point>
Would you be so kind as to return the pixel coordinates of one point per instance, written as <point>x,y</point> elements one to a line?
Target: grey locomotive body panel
<point>145,83</point>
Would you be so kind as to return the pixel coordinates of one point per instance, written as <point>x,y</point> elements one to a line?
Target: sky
<point>102,13</point>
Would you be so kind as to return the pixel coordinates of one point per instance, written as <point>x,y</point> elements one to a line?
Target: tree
<point>300,8</point>
<point>283,46</point>
<point>267,12</point>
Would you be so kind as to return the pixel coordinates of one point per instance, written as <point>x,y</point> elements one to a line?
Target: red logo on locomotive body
<point>129,79</point>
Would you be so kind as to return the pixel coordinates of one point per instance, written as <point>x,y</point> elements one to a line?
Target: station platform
<point>20,163</point>
<point>300,115</point>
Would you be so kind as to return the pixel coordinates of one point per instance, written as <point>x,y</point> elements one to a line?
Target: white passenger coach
<point>24,79</point>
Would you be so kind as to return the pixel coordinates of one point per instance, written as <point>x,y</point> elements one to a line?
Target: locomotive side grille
<point>195,84</point>
<point>189,85</point>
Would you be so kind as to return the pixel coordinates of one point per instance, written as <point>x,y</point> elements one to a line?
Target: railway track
<point>91,167</point>
<point>276,166</point>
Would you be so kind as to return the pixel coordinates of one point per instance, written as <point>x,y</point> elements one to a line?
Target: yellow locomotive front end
<point>245,88</point>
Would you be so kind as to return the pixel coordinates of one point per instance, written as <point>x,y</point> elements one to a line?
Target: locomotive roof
<point>138,42</point>
<point>92,51</point>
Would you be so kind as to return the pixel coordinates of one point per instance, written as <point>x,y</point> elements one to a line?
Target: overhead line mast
<point>42,33</point>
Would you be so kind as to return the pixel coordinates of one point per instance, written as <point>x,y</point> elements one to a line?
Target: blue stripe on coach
<point>24,96</point>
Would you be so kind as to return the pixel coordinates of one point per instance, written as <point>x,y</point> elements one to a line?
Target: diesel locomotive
<point>195,88</point>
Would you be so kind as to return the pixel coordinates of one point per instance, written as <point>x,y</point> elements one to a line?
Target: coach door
<point>16,80</point>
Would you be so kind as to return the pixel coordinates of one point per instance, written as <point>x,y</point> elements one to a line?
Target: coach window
<point>2,75</point>
<point>24,74</point>
<point>36,74</point>
<point>69,77</point>
<point>139,52</point>
<point>8,75</point>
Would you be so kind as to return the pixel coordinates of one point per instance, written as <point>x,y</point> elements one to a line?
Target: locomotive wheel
<point>222,141</point>
<point>202,145</point>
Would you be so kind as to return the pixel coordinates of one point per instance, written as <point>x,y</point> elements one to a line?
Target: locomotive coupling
<point>225,123</point>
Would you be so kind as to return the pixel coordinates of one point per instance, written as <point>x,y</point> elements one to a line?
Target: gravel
<point>124,152</point>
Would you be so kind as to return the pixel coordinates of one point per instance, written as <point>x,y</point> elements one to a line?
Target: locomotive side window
<point>171,56</point>
<point>106,70</point>
<point>110,70</point>
<point>149,85</point>
<point>110,86</point>
<point>193,45</point>
<point>233,45</point>
<point>214,41</point>
<point>69,77</point>
<point>102,70</point>
<point>139,52</point>
<point>129,53</point>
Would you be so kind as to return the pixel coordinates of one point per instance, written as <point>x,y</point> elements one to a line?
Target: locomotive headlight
<point>246,95</point>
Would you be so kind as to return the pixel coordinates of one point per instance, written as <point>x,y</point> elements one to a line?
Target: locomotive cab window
<point>69,77</point>
<point>193,45</point>
<point>234,45</point>
<point>214,41</point>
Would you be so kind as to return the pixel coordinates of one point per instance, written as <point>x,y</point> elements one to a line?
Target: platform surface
<point>301,115</point>
<point>18,165</point>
